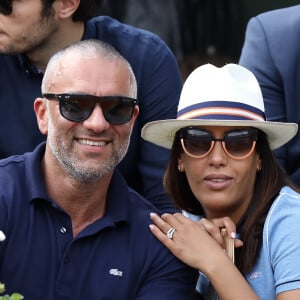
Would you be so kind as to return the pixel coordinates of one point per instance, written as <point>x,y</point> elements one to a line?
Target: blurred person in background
<point>271,51</point>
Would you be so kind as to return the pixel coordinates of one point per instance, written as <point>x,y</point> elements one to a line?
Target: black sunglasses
<point>6,7</point>
<point>237,144</point>
<point>78,107</point>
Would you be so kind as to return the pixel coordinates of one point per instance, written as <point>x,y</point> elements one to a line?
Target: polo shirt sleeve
<point>168,279</point>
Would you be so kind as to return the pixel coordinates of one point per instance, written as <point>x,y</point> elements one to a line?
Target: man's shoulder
<point>106,23</point>
<point>140,202</point>
<point>278,27</point>
<point>280,17</point>
<point>120,35</point>
<point>11,162</point>
<point>12,175</point>
<point>18,165</point>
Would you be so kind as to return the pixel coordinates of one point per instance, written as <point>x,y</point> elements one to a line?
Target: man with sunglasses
<point>74,229</point>
<point>32,30</point>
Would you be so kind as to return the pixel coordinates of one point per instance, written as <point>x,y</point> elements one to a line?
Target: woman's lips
<point>218,182</point>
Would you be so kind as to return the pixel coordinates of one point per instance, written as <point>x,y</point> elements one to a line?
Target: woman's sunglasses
<point>237,144</point>
<point>6,7</point>
<point>78,107</point>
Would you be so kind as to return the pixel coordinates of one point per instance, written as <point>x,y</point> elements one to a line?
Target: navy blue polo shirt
<point>159,86</point>
<point>116,257</point>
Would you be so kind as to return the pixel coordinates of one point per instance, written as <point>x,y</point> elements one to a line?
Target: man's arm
<point>168,279</point>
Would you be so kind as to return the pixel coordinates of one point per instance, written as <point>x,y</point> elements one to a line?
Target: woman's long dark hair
<point>269,180</point>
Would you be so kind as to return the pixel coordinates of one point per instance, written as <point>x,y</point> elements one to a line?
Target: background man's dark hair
<point>87,9</point>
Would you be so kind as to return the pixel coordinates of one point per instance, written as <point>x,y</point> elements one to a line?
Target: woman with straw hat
<point>222,169</point>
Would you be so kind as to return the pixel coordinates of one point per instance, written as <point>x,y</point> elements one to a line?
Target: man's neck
<point>84,202</point>
<point>68,33</point>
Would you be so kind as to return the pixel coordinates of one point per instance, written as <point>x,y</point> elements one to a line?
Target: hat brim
<point>162,133</point>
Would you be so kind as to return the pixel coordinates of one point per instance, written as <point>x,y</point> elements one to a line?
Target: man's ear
<point>136,112</point>
<point>66,8</point>
<point>40,109</point>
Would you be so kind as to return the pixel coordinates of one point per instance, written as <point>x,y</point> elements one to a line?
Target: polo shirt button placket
<point>63,230</point>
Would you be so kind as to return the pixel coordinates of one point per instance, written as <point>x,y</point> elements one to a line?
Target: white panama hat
<point>226,96</point>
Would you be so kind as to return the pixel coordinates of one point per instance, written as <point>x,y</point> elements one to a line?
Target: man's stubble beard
<point>74,168</point>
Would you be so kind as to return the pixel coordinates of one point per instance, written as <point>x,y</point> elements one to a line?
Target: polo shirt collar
<point>28,66</point>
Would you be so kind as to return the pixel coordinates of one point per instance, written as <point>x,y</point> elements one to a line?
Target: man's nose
<point>96,121</point>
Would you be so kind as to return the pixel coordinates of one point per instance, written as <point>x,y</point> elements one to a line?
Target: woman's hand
<point>195,243</point>
<point>200,245</point>
<point>214,226</point>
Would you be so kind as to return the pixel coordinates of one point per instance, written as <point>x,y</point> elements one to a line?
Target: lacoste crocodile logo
<point>115,272</point>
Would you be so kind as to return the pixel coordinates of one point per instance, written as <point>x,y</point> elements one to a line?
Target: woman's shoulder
<point>285,208</point>
<point>288,192</point>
